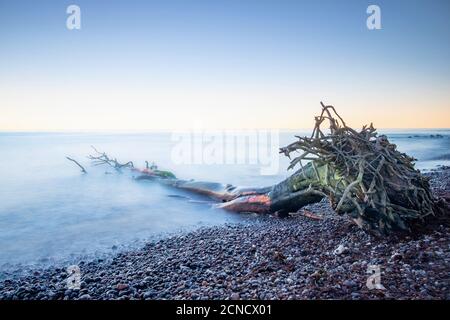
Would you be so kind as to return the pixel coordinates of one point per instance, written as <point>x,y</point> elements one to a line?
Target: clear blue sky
<point>189,62</point>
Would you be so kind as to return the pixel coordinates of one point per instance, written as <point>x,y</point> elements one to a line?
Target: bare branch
<point>83,170</point>
<point>102,158</point>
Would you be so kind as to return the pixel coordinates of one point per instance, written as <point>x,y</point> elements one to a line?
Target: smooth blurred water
<point>50,211</point>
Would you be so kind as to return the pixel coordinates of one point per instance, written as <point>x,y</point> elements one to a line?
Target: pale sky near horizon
<point>152,65</point>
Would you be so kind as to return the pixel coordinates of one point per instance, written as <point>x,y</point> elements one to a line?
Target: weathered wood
<point>362,174</point>
<point>83,170</point>
<point>286,196</point>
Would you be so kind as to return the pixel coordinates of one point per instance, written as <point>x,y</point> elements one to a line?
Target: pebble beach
<point>313,254</point>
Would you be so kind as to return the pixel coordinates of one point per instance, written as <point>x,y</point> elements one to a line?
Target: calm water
<point>50,211</point>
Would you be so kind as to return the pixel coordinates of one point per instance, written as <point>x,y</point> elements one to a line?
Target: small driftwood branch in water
<point>83,170</point>
<point>102,158</point>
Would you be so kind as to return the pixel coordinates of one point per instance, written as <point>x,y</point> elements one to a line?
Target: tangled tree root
<point>364,175</point>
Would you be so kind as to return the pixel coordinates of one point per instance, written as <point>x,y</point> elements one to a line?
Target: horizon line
<point>197,129</point>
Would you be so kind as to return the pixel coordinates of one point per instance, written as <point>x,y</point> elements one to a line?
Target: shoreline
<point>271,258</point>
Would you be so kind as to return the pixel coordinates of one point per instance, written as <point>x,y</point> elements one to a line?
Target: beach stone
<point>149,294</point>
<point>355,295</point>
<point>122,286</point>
<point>235,296</point>
<point>237,261</point>
<point>349,283</point>
<point>340,250</point>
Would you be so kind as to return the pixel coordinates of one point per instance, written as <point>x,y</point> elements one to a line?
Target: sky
<point>234,64</point>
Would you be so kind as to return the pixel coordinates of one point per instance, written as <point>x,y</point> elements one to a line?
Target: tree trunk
<point>287,196</point>
<point>361,173</point>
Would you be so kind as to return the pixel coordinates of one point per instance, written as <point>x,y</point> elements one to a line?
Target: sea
<point>50,212</point>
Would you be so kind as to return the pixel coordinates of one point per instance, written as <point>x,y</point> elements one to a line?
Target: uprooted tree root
<point>364,175</point>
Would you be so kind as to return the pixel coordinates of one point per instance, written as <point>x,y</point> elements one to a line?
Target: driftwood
<point>361,173</point>
<point>102,158</point>
<point>83,170</point>
<point>364,175</point>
